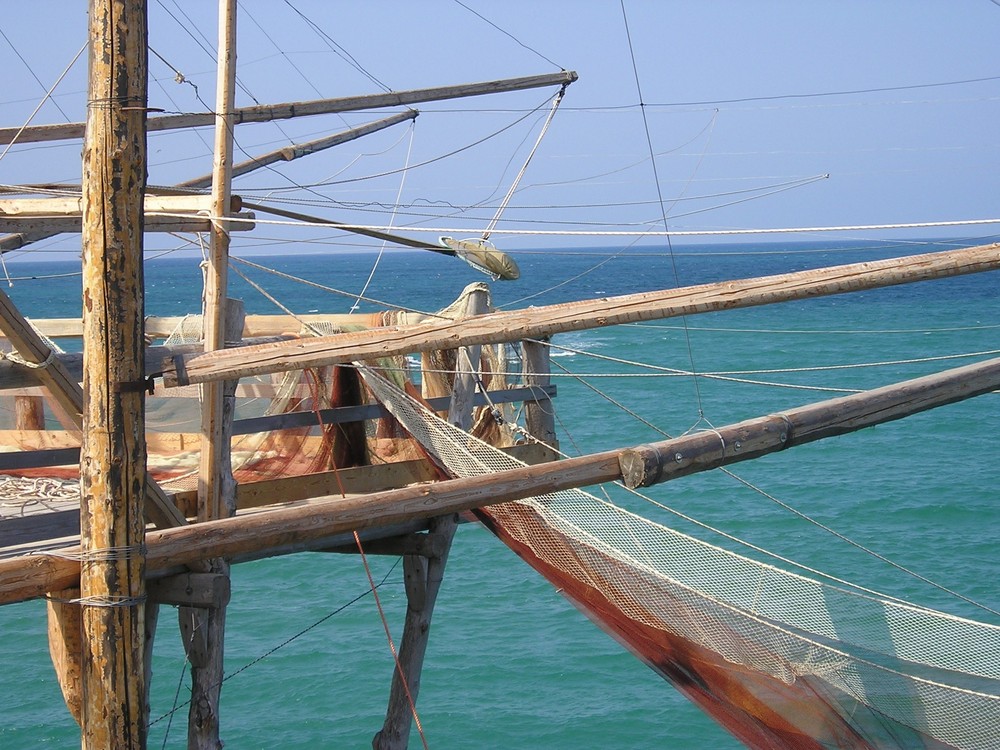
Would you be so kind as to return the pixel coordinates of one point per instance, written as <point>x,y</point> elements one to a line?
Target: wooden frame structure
<point>111,584</point>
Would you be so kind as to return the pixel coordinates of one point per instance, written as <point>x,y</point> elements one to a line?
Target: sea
<point>909,508</point>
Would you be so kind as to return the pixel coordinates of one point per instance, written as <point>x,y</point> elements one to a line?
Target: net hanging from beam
<point>780,660</point>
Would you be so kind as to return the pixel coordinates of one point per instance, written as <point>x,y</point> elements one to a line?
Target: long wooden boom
<point>31,576</point>
<point>268,112</point>
<point>540,322</point>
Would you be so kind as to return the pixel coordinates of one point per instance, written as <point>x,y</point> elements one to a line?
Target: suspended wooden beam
<point>14,375</point>
<point>31,576</point>
<point>43,227</point>
<point>290,153</point>
<point>541,322</point>
<point>268,112</point>
<point>64,206</point>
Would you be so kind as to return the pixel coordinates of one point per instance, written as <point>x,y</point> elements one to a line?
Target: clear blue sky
<point>748,107</point>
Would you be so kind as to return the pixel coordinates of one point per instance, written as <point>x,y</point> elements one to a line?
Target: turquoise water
<point>510,664</point>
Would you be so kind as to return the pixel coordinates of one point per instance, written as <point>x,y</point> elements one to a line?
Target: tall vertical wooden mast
<point>216,488</point>
<point>113,453</point>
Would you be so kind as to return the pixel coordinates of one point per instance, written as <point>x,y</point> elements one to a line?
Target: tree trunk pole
<point>113,453</point>
<point>216,488</point>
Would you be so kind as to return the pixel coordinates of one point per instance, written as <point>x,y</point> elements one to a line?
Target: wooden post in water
<point>203,630</point>
<point>539,417</point>
<point>113,453</point>
<point>423,575</point>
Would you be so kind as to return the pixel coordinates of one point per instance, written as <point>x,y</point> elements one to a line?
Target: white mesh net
<point>895,675</point>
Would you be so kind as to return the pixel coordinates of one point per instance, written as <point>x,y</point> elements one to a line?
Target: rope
<point>392,645</point>
<point>517,179</point>
<point>286,642</point>
<point>45,98</point>
<point>606,233</point>
<point>392,218</point>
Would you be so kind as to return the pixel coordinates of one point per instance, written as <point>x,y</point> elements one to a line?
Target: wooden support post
<point>539,417</point>
<point>422,576</point>
<point>216,487</point>
<point>113,451</point>
<point>29,413</point>
<point>66,646</point>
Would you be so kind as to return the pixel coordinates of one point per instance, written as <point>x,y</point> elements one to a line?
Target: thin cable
<point>517,179</point>
<point>508,34</point>
<point>48,95</point>
<point>392,218</point>
<point>33,75</point>
<point>659,197</point>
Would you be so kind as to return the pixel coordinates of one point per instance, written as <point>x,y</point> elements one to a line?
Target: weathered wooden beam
<point>269,112</point>
<point>63,206</point>
<point>31,576</point>
<point>540,322</point>
<point>203,590</point>
<point>14,375</point>
<point>113,466</point>
<point>290,153</point>
<point>43,227</point>
<point>662,461</point>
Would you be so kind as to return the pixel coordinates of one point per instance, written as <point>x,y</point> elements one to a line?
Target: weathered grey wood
<point>290,153</point>
<point>539,416</point>
<point>252,535</point>
<point>206,590</point>
<point>113,450</point>
<point>540,322</point>
<point>266,113</point>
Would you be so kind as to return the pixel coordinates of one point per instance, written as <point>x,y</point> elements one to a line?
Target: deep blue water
<point>510,663</point>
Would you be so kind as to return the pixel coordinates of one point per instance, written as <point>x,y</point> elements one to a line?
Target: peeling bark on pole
<point>113,453</point>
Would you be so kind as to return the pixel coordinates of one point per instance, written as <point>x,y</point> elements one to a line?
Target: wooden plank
<point>268,112</point>
<point>43,227</point>
<point>203,590</point>
<point>31,576</point>
<point>540,322</point>
<point>56,207</point>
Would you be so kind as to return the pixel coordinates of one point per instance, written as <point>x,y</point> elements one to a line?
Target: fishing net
<point>780,660</point>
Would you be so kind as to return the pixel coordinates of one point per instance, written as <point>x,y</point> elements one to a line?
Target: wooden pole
<point>423,574</point>
<point>290,153</point>
<point>113,460</point>
<point>31,576</point>
<point>540,322</point>
<point>216,488</point>
<point>269,112</point>
<point>539,416</point>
